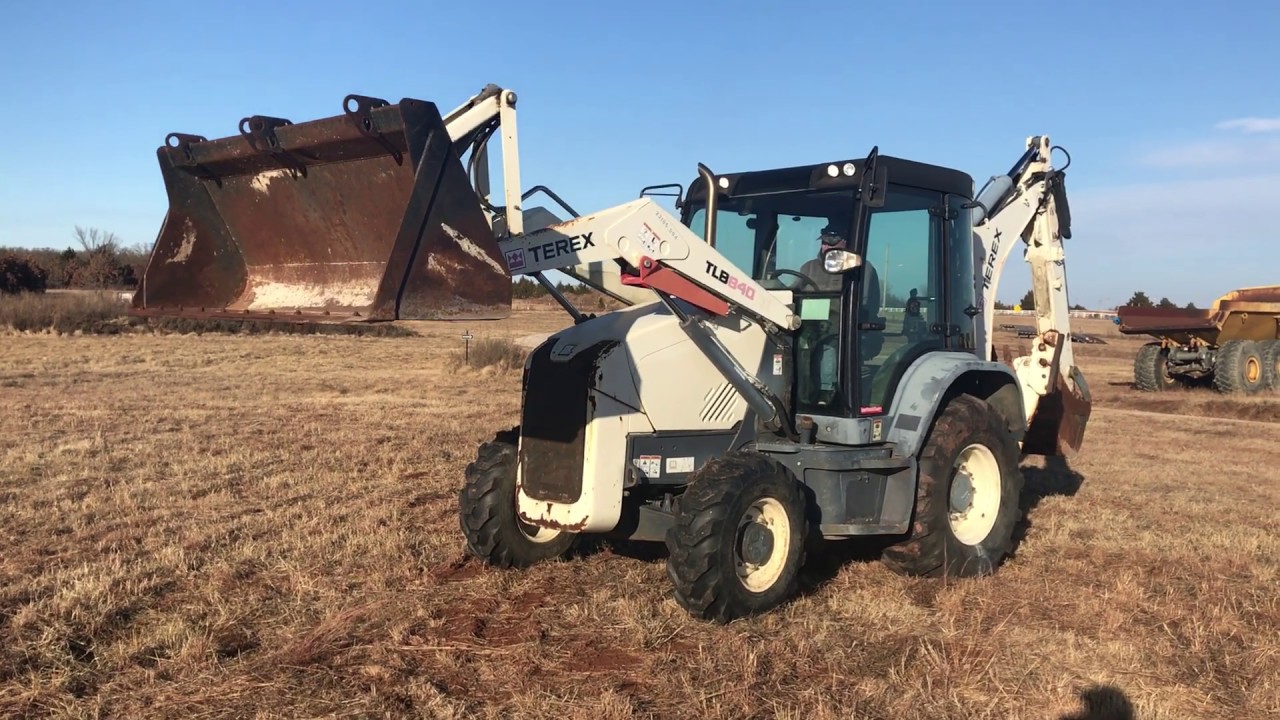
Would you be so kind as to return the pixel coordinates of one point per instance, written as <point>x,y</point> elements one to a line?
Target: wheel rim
<point>1252,370</point>
<point>533,532</point>
<point>761,541</point>
<point>975,494</point>
<point>1162,370</point>
<point>537,534</point>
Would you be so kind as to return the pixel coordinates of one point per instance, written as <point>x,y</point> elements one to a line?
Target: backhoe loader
<point>804,353</point>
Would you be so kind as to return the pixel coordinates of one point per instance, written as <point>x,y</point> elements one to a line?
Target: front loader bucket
<point>362,216</point>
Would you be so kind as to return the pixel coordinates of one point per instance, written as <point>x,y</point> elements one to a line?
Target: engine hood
<point>615,326</point>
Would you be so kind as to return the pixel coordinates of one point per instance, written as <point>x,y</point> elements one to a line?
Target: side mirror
<point>874,181</point>
<point>837,262</point>
<point>874,185</point>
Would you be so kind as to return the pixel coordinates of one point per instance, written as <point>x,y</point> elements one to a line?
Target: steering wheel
<point>804,278</point>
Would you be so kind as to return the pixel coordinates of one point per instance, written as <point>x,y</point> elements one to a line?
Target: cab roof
<point>815,177</point>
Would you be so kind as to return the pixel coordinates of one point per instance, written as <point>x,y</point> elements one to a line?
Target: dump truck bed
<point>1243,314</point>
<point>366,215</point>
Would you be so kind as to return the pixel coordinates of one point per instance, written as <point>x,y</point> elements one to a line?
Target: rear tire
<point>969,462</point>
<point>487,511</point>
<point>1239,368</point>
<point>738,540</point>
<point>1271,365</point>
<point>1151,369</point>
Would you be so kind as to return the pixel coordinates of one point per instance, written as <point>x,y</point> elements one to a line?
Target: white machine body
<point>654,379</point>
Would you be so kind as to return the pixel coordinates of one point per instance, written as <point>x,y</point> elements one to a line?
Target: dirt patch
<point>512,628</point>
<point>466,623</point>
<point>490,623</point>
<point>1202,403</point>
<point>531,342</point>
<point>461,568</point>
<point>587,654</point>
<point>430,498</point>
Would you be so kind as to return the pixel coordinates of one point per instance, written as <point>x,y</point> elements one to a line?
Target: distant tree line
<point>1028,302</point>
<point>525,288</point>
<point>102,262</point>
<point>1139,299</point>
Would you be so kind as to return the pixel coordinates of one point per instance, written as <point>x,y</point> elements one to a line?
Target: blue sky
<point>1172,116</point>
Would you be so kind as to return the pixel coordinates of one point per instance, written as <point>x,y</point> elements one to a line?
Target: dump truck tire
<point>487,511</point>
<point>738,540</point>
<point>1271,365</point>
<point>1239,368</point>
<point>1151,369</point>
<point>969,460</point>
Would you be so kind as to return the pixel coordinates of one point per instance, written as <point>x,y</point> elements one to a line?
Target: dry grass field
<point>264,526</point>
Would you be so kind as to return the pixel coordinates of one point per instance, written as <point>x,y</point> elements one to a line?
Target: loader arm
<point>656,252</point>
<point>1029,204</point>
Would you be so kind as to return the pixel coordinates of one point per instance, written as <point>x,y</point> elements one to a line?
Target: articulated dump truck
<point>366,215</point>
<point>1234,346</point>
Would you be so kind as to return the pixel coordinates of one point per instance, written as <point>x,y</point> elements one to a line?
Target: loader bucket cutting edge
<point>362,216</point>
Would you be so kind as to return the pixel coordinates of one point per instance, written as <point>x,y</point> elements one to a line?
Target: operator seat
<point>870,342</point>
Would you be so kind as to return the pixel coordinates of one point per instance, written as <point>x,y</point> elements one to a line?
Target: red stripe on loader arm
<point>657,277</point>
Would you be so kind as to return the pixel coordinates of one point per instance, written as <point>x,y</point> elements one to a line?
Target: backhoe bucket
<point>362,216</point>
<point>1057,427</point>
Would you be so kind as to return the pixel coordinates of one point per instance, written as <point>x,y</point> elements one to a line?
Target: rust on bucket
<point>362,216</point>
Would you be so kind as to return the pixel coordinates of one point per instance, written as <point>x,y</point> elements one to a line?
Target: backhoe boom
<point>1029,205</point>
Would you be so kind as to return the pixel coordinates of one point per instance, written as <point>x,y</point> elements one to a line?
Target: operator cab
<point>893,280</point>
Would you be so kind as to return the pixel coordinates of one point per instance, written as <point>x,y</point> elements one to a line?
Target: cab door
<point>903,308</point>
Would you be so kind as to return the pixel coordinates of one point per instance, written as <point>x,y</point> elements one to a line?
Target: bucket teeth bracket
<point>260,132</point>
<point>359,110</point>
<point>182,142</point>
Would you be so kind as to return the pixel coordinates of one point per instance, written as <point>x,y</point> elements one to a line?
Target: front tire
<point>967,498</point>
<point>487,511</point>
<point>738,539</point>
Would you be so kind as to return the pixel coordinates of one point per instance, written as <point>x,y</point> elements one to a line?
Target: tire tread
<point>487,523</point>
<point>695,541</point>
<point>1146,369</point>
<point>1228,370</point>
<point>926,550</point>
